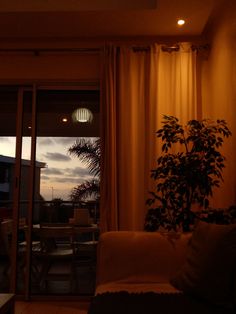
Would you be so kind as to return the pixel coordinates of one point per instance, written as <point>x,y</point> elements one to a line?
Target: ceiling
<point>72,19</point>
<point>102,18</point>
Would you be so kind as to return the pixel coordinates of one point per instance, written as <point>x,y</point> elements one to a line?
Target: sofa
<point>148,272</point>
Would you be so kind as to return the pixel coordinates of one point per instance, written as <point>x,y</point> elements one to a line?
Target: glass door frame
<point>16,190</point>
<point>80,85</point>
<point>17,186</point>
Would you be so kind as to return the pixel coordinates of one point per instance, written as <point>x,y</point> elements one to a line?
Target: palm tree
<point>89,152</point>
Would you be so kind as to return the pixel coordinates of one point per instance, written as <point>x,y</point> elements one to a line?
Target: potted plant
<point>188,169</point>
<point>219,215</point>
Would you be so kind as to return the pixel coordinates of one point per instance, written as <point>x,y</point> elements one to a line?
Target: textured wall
<point>219,91</point>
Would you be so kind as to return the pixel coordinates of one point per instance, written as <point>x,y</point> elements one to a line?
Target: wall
<point>219,92</point>
<point>50,62</point>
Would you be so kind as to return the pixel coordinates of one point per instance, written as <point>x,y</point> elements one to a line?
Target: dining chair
<point>85,257</point>
<point>5,242</point>
<point>57,254</point>
<point>6,229</point>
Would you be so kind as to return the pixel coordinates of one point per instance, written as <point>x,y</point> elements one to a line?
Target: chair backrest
<point>50,233</point>
<point>82,217</point>
<point>56,231</point>
<point>5,236</point>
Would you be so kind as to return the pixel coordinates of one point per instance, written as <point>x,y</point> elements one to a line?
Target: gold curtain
<point>139,87</point>
<point>109,187</point>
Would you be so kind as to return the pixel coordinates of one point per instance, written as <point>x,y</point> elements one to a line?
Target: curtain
<point>139,87</point>
<point>109,112</point>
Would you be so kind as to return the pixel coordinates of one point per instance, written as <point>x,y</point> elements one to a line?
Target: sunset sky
<point>63,171</point>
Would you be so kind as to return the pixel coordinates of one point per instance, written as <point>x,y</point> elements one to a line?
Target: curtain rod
<point>136,48</point>
<point>172,47</point>
<point>38,51</point>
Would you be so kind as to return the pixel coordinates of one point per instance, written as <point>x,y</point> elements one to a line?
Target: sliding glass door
<point>38,127</point>
<point>9,98</point>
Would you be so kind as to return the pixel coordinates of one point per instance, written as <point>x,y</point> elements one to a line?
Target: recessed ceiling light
<point>64,120</point>
<point>181,22</point>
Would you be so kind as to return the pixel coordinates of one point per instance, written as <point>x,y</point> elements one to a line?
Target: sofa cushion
<point>136,287</point>
<point>139,257</point>
<point>151,303</point>
<point>209,266</point>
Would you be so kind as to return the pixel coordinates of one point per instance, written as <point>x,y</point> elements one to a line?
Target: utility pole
<point>52,192</point>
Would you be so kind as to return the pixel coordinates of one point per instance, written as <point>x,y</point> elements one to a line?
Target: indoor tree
<point>188,169</point>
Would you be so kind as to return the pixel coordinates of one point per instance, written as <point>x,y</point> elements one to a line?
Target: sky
<point>62,173</point>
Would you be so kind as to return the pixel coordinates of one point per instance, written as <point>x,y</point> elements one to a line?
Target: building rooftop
<point>25,162</point>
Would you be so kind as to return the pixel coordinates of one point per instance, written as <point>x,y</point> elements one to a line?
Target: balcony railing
<point>50,211</point>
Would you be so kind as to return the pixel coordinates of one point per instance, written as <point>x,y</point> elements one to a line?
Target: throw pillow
<point>210,261</point>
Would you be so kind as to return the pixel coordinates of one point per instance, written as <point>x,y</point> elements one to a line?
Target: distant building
<point>7,168</point>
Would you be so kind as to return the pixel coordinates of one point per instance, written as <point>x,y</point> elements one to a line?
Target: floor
<point>85,285</point>
<point>51,307</point>
<point>84,280</point>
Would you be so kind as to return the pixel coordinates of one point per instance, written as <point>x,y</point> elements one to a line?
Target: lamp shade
<point>82,115</point>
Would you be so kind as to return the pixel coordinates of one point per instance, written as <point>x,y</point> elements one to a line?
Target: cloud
<point>76,175</point>
<point>78,172</point>
<point>62,179</point>
<point>67,174</point>
<point>65,140</point>
<point>45,178</point>
<point>75,181</point>
<point>45,141</point>
<point>5,140</point>
<point>52,171</point>
<point>57,157</point>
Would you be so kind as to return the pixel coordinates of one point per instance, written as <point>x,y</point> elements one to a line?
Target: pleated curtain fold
<point>139,87</point>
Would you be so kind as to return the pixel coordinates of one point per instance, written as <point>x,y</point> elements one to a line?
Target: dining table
<point>82,238</point>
